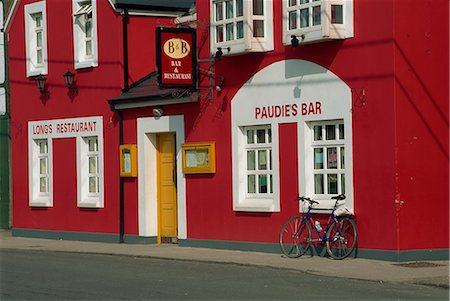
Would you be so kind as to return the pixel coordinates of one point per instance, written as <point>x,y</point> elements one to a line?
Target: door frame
<point>147,128</point>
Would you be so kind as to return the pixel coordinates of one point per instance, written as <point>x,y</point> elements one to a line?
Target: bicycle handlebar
<point>312,202</point>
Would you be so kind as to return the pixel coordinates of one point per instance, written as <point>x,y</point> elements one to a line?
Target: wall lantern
<point>219,53</point>
<point>69,78</point>
<point>40,81</point>
<point>295,41</point>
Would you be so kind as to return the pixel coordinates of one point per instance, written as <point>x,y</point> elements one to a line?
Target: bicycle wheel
<point>341,238</point>
<point>295,237</point>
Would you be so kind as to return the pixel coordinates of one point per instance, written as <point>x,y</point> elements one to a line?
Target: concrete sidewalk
<point>433,273</point>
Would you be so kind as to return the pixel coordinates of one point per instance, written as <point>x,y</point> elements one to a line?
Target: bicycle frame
<point>308,216</point>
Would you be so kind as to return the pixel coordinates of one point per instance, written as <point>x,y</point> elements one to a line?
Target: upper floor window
<point>317,20</point>
<point>240,26</point>
<point>36,38</point>
<point>85,33</point>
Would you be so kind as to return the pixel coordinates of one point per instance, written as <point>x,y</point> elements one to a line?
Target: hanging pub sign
<point>176,57</point>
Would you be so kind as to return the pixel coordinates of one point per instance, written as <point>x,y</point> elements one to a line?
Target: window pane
<point>304,1</point>
<point>317,132</point>
<point>262,183</point>
<point>88,28</point>
<point>43,184</point>
<point>251,160</point>
<point>219,33</point>
<point>92,164</point>
<point>43,166</point>
<point>262,160</point>
<point>39,56</point>
<point>251,185</point>
<point>250,137</point>
<point>270,160</point>
<point>239,8</point>
<point>332,157</point>
<point>239,30</point>
<point>342,183</point>
<point>258,8</point>
<point>331,131</point>
<point>39,39</point>
<point>38,19</point>
<point>318,184</point>
<point>88,47</point>
<point>229,9</point>
<point>304,17</point>
<point>332,184</point>
<point>318,158</point>
<point>93,184</point>
<point>337,15</point>
<point>229,28</point>
<point>293,19</point>
<point>269,134</point>
<point>292,2</point>
<point>258,28</point>
<point>261,136</point>
<point>92,144</point>
<point>219,11</point>
<point>316,15</point>
<point>43,147</point>
<point>342,158</point>
<point>341,131</point>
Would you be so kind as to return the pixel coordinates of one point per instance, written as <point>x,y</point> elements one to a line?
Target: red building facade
<point>355,108</point>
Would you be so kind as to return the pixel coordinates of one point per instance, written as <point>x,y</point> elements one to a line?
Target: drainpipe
<point>125,49</point>
<point>125,88</point>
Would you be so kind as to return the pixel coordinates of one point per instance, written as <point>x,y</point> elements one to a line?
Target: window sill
<point>90,203</point>
<point>256,205</point>
<point>41,202</point>
<point>86,64</point>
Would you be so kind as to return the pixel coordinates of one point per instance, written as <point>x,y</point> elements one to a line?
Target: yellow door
<point>167,190</point>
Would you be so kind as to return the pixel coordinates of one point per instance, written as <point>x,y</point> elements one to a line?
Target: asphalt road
<point>38,275</point>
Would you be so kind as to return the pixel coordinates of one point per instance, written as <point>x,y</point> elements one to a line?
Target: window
<point>40,173</point>
<point>317,20</point>
<point>241,25</point>
<point>85,33</point>
<point>92,154</point>
<point>36,38</point>
<point>90,182</point>
<point>256,171</point>
<point>328,160</point>
<point>259,161</point>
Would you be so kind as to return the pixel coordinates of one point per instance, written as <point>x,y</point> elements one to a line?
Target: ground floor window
<point>328,148</point>
<point>255,168</point>
<point>89,172</point>
<point>40,173</point>
<point>258,148</point>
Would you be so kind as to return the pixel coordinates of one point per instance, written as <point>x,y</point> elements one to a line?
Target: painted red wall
<point>365,63</point>
<point>422,101</point>
<point>95,86</point>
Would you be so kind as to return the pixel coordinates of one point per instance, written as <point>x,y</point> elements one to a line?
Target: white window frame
<point>307,162</point>
<point>248,43</point>
<point>33,67</point>
<point>87,199</point>
<point>326,30</point>
<point>80,10</point>
<point>254,202</point>
<point>36,197</point>
<point>256,147</point>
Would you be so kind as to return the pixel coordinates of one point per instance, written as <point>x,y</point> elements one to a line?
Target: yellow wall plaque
<point>199,157</point>
<point>128,165</point>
